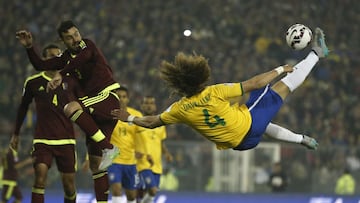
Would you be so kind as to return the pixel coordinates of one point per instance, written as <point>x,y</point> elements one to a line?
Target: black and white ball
<point>298,36</point>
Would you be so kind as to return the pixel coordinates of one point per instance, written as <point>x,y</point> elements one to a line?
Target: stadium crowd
<point>240,38</point>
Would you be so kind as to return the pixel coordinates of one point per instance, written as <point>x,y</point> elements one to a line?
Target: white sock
<point>148,199</point>
<point>116,199</point>
<point>301,71</point>
<point>283,134</point>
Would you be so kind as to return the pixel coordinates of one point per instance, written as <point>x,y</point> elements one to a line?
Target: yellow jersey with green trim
<point>151,144</point>
<point>211,114</point>
<point>124,136</point>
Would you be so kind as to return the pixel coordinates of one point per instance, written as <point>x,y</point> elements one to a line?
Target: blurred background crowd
<point>241,38</point>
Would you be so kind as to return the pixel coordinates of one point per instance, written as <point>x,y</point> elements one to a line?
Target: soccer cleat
<point>107,157</point>
<point>319,45</point>
<point>309,142</point>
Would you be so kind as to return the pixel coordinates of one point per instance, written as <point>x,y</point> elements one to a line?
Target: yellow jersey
<point>211,114</point>
<point>124,137</point>
<point>151,144</point>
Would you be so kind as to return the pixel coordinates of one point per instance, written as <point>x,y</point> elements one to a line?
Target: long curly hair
<point>187,76</point>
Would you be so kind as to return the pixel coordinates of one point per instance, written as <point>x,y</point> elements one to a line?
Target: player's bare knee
<point>71,108</point>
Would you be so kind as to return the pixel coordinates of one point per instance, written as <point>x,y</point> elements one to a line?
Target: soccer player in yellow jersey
<point>207,108</point>
<point>154,147</point>
<point>122,173</point>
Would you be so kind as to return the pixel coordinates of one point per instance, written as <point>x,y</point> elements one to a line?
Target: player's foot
<point>107,157</point>
<point>319,45</point>
<point>309,142</point>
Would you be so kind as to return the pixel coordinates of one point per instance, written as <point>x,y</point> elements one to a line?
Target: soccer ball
<point>298,36</point>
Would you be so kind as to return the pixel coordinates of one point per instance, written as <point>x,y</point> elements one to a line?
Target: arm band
<point>279,70</point>
<point>131,118</point>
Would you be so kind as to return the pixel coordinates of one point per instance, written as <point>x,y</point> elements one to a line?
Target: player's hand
<point>54,82</point>
<point>138,155</point>
<point>150,160</point>
<point>14,142</point>
<point>25,38</point>
<point>120,114</point>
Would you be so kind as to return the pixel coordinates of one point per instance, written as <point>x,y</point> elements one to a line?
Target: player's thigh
<point>65,157</point>
<point>115,174</point>
<point>42,154</point>
<point>101,105</point>
<point>100,112</point>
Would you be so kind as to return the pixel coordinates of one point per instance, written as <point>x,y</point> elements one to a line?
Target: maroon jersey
<point>9,162</point>
<point>89,66</point>
<point>51,124</point>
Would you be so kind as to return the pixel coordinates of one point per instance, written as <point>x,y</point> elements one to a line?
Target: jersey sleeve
<point>170,116</point>
<point>229,90</point>
<point>55,63</point>
<point>23,108</point>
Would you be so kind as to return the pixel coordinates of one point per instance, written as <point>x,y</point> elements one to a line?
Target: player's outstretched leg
<point>280,133</point>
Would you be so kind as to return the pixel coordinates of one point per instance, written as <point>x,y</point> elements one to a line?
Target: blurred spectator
<point>278,180</point>
<point>345,184</point>
<point>168,180</point>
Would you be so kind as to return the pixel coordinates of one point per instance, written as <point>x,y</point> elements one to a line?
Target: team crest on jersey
<point>41,88</point>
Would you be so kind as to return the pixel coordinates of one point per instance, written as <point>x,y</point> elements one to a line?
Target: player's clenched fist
<point>25,38</point>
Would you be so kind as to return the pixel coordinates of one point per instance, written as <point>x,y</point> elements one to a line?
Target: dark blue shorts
<point>148,179</point>
<point>124,174</point>
<point>263,105</point>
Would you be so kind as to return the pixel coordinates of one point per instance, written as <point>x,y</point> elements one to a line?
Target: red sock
<point>88,125</point>
<point>85,122</point>
<point>101,186</point>
<point>37,195</point>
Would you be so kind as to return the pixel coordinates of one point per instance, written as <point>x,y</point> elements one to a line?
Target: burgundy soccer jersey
<point>51,121</point>
<point>89,66</point>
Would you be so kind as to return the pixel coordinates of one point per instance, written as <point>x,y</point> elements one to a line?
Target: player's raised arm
<point>145,121</point>
<point>26,39</point>
<point>263,79</point>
